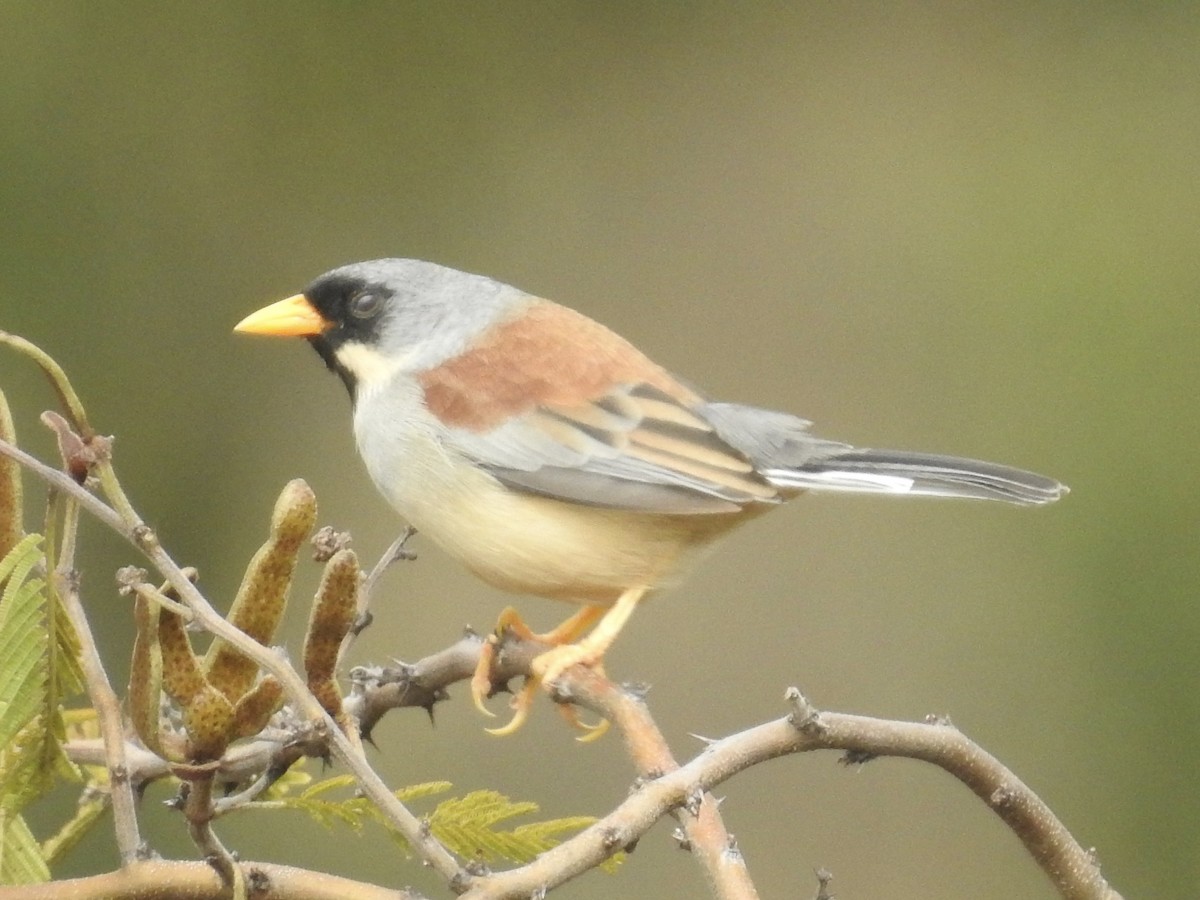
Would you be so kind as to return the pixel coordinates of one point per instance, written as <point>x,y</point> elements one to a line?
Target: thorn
<point>857,757</point>
<point>175,802</point>
<point>636,689</point>
<point>706,741</point>
<point>362,622</point>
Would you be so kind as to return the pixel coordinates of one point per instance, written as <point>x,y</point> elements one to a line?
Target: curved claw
<point>591,732</point>
<point>521,705</point>
<point>594,732</point>
<point>481,681</point>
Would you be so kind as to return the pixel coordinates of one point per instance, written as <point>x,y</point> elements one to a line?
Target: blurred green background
<point>936,226</point>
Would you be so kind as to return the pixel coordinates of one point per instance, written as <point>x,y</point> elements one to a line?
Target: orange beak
<point>293,317</point>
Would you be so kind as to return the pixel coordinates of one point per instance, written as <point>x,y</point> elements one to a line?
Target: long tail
<point>929,474</point>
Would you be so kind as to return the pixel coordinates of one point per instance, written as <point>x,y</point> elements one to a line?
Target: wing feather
<point>620,451</point>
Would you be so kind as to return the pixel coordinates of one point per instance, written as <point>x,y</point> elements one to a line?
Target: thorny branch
<point>663,787</point>
<point>1070,867</point>
<point>197,881</point>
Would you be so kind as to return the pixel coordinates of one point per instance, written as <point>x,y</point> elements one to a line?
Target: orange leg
<point>591,649</point>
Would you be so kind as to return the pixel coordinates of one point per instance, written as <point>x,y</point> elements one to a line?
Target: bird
<point>552,457</point>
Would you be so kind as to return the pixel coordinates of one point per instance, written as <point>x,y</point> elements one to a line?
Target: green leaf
<point>466,826</point>
<point>38,663</point>
<point>352,811</point>
<point>23,639</point>
<point>20,856</point>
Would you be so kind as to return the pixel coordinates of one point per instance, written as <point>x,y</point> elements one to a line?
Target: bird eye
<point>364,305</point>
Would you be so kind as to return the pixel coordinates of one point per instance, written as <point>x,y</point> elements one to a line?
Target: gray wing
<point>634,448</point>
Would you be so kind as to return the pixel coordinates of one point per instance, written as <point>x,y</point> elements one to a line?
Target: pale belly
<point>525,543</point>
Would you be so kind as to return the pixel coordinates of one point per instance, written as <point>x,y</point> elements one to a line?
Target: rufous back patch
<point>546,355</point>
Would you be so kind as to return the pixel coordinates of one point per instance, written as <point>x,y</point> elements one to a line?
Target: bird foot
<point>546,668</point>
<point>551,664</point>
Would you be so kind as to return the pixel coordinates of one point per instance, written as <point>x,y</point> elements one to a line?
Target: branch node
<point>732,852</point>
<point>559,691</point>
<point>612,838</point>
<point>326,542</point>
<point>143,535</point>
<point>128,578</point>
<point>824,876</point>
<point>1002,797</point>
<point>693,800</point>
<point>804,717</point>
<point>477,867</point>
<point>681,839</point>
<point>940,719</point>
<point>79,455</point>
<point>258,881</point>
